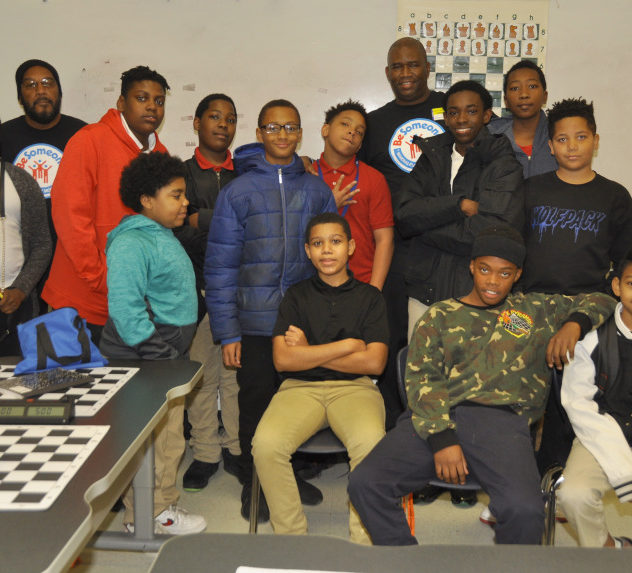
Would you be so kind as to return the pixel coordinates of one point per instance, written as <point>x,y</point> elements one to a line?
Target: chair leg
<point>254,501</point>
<point>551,481</point>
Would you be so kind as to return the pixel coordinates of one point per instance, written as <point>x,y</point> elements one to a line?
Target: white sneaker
<point>175,521</point>
<point>487,517</point>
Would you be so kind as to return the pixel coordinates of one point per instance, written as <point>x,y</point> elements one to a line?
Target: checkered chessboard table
<point>36,462</point>
<point>89,398</point>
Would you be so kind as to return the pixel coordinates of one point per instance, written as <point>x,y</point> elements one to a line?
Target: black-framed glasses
<point>44,82</point>
<point>277,127</point>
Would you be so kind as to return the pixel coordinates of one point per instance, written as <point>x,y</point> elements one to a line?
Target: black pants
<point>9,342</point>
<point>258,381</point>
<point>497,447</point>
<point>397,311</point>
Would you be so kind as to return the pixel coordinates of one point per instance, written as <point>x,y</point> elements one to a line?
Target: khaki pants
<point>354,410</point>
<point>580,496</point>
<point>206,441</point>
<point>168,449</point>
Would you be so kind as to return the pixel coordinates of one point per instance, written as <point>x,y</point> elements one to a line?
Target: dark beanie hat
<point>500,241</point>
<point>19,73</point>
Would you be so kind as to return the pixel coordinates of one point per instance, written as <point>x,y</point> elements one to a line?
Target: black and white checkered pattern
<point>36,462</point>
<point>89,398</point>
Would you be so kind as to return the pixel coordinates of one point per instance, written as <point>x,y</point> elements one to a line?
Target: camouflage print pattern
<point>491,356</point>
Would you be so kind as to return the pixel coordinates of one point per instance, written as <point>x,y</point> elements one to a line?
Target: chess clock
<point>36,411</point>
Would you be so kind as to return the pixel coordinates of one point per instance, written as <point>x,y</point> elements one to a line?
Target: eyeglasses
<point>290,128</point>
<point>44,82</point>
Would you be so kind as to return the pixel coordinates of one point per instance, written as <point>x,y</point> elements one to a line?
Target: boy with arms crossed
<point>597,396</point>
<point>476,377</point>
<point>331,334</point>
<point>255,253</point>
<point>369,213</point>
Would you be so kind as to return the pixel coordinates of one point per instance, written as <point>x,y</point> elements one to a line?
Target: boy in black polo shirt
<point>329,337</point>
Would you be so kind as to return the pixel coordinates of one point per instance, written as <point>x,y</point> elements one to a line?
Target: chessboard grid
<point>89,398</point>
<point>38,461</point>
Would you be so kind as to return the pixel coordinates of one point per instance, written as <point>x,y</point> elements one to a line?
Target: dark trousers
<point>258,381</point>
<point>499,455</point>
<point>394,293</point>
<point>9,341</point>
<point>557,431</point>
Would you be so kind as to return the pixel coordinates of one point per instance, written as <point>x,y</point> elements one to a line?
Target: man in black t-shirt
<point>36,140</point>
<point>388,147</point>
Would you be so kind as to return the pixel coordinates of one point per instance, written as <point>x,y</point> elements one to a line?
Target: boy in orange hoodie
<point>86,204</point>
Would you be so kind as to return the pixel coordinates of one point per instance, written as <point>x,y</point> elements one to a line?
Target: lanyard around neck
<point>355,184</point>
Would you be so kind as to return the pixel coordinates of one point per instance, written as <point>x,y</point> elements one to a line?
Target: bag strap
<point>45,348</point>
<point>2,214</point>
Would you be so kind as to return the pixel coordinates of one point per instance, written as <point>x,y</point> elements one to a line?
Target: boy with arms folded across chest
<point>476,377</point>
<point>331,334</point>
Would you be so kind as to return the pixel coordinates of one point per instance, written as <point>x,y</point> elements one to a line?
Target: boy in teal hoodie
<point>152,306</point>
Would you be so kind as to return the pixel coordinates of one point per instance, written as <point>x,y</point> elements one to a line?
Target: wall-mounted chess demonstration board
<point>466,40</point>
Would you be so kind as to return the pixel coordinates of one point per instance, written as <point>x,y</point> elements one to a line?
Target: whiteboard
<point>315,54</point>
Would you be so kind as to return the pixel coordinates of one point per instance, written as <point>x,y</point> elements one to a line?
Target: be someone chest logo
<point>515,322</point>
<point>401,148</point>
<point>41,161</point>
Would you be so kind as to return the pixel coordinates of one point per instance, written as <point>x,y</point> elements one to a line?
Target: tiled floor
<point>437,523</point>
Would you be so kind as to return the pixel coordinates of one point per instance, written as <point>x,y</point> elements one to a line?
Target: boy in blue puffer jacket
<point>255,252</point>
<point>152,310</point>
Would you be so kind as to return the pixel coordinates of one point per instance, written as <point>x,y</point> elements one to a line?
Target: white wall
<point>313,53</point>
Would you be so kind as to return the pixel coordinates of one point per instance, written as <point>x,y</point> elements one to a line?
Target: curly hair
<point>145,175</point>
<point>572,107</point>
<point>141,74</point>
<point>203,105</point>
<point>350,104</point>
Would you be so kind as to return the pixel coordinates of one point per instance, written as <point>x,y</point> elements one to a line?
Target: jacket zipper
<point>282,191</point>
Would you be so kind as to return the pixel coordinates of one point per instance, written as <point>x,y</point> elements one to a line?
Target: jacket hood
<point>251,157</point>
<point>129,222</point>
<point>112,119</point>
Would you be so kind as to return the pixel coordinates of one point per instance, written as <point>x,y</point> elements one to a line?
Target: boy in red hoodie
<point>86,204</point>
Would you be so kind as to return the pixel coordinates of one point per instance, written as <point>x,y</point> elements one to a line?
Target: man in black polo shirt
<point>331,334</point>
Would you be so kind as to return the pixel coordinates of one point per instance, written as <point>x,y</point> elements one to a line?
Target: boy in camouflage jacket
<point>476,377</point>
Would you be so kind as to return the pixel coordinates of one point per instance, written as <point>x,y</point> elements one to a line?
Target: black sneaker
<point>463,497</point>
<point>231,463</point>
<point>198,474</point>
<point>246,496</point>
<point>427,494</point>
<point>310,494</point>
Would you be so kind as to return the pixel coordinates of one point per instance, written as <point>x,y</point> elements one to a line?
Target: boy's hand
<point>309,166</point>
<point>231,354</point>
<point>562,343</point>
<point>193,220</point>
<point>11,300</point>
<point>450,465</point>
<point>469,207</point>
<point>344,196</point>
<point>294,336</point>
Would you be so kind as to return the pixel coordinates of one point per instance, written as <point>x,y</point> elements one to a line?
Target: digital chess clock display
<point>23,412</point>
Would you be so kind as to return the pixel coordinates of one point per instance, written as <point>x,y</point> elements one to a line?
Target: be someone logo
<point>401,148</point>
<point>41,161</point>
